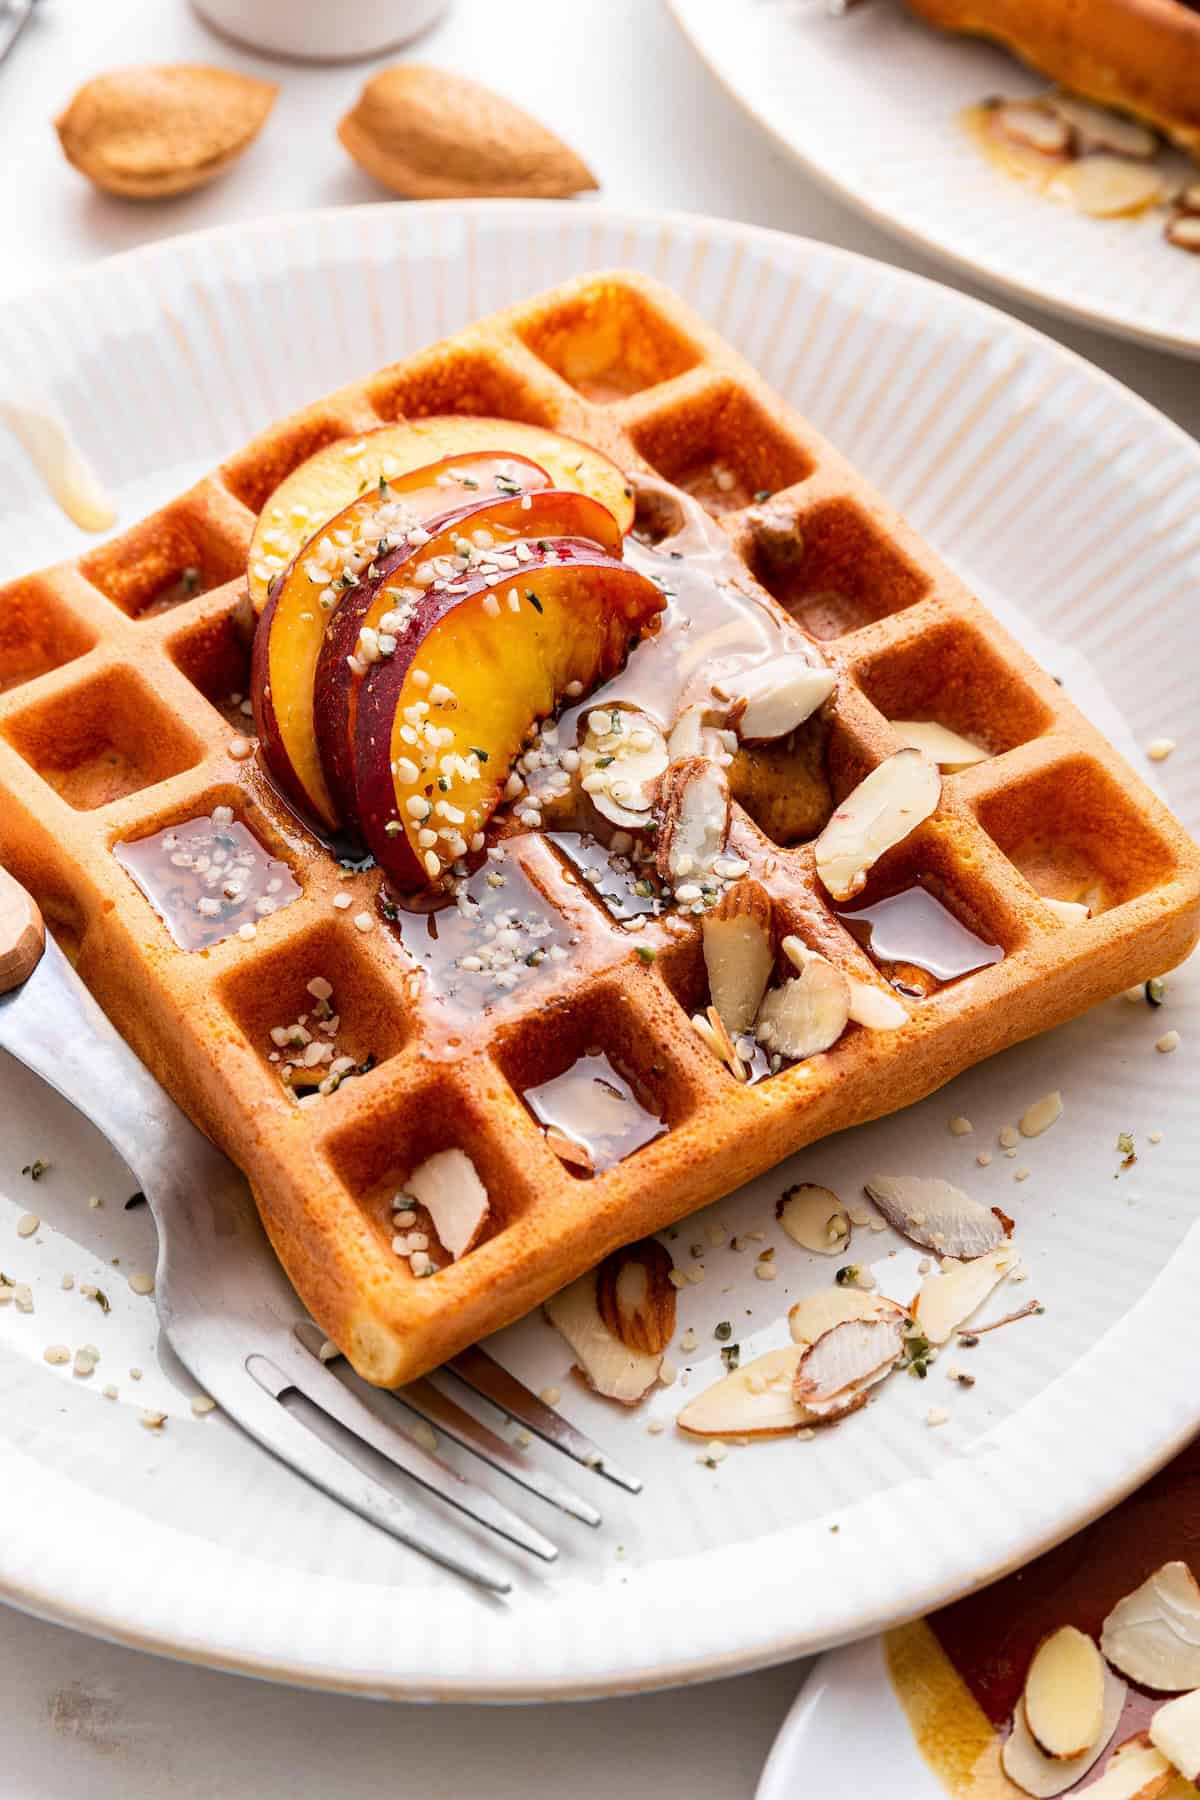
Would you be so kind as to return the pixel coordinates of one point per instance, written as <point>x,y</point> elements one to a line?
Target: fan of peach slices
<point>426,592</point>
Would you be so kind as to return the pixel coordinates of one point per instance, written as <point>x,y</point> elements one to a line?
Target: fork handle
<point>22,934</point>
<point>50,1022</point>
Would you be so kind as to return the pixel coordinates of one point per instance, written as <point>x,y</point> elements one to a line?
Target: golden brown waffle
<point>112,729</point>
<point>1141,56</point>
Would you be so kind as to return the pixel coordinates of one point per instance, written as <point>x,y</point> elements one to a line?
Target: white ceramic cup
<point>319,30</point>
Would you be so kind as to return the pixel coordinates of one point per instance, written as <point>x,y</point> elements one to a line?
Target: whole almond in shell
<point>146,133</point>
<point>430,135</point>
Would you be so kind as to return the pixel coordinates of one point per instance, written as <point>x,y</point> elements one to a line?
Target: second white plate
<point>870,102</point>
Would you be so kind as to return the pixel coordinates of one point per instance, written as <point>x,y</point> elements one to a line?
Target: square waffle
<point>121,717</point>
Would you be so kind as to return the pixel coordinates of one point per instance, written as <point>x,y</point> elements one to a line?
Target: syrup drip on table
<point>208,879</point>
<point>959,1674</point>
<point>593,1106</point>
<point>495,935</point>
<point>917,942</point>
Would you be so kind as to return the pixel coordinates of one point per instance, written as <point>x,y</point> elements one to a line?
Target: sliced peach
<point>515,528</point>
<point>326,482</point>
<point>306,596</point>
<point>441,720</point>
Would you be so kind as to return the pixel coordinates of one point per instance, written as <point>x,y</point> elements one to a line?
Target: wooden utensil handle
<point>22,934</point>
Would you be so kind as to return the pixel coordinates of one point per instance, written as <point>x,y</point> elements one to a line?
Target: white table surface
<point>79,1717</point>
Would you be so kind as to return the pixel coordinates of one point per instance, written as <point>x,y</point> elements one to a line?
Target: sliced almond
<point>754,1401</point>
<point>818,1313</point>
<point>621,760</point>
<point>1153,1635</point>
<point>432,135</point>
<point>1175,1731</point>
<point>936,1215</point>
<point>1108,187</point>
<point>881,811</point>
<point>1096,128</point>
<point>568,1150</point>
<point>1064,1694</point>
<point>738,953</point>
<point>1041,1115</point>
<point>1071,912</point>
<point>712,1033</point>
<point>757,1401</point>
<point>447,1186</point>
<point>847,1355</point>
<point>814,1218</point>
<point>1043,1776</point>
<point>1184,232</point>
<point>1031,125</point>
<point>693,735</point>
<point>803,1017</point>
<point>948,1298</point>
<point>874,1009</point>
<point>607,1364</point>
<point>695,820</point>
<point>635,1297</point>
<point>948,749</point>
<point>146,133</point>
<point>871,1007</point>
<point>1137,1771</point>
<point>773,698</point>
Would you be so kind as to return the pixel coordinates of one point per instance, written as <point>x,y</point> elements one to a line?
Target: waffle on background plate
<point>124,671</point>
<point>1140,56</point>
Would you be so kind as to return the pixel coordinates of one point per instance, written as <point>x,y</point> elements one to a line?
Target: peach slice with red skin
<point>330,479</point>
<point>441,720</point>
<point>535,518</point>
<point>309,591</point>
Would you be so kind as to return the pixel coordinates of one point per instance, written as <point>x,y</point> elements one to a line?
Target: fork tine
<point>471,1434</point>
<point>464,1429</point>
<point>319,1385</point>
<point>271,1425</point>
<point>486,1376</point>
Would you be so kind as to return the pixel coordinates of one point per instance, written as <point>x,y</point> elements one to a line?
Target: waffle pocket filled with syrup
<point>627,959</point>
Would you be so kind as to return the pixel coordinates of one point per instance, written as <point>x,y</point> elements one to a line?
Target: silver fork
<point>230,1315</point>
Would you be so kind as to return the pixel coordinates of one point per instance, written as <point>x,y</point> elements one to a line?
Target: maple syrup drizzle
<point>593,1105</point>
<point>625,882</point>
<point>917,942</point>
<point>959,1674</point>
<point>710,627</point>
<point>208,879</point>
<point>494,935</point>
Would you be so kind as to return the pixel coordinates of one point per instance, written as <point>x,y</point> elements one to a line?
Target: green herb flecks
<point>917,1351</point>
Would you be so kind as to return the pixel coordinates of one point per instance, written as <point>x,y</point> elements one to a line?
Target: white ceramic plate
<point>1074,509</point>
<point>870,102</point>
<point>847,1715</point>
